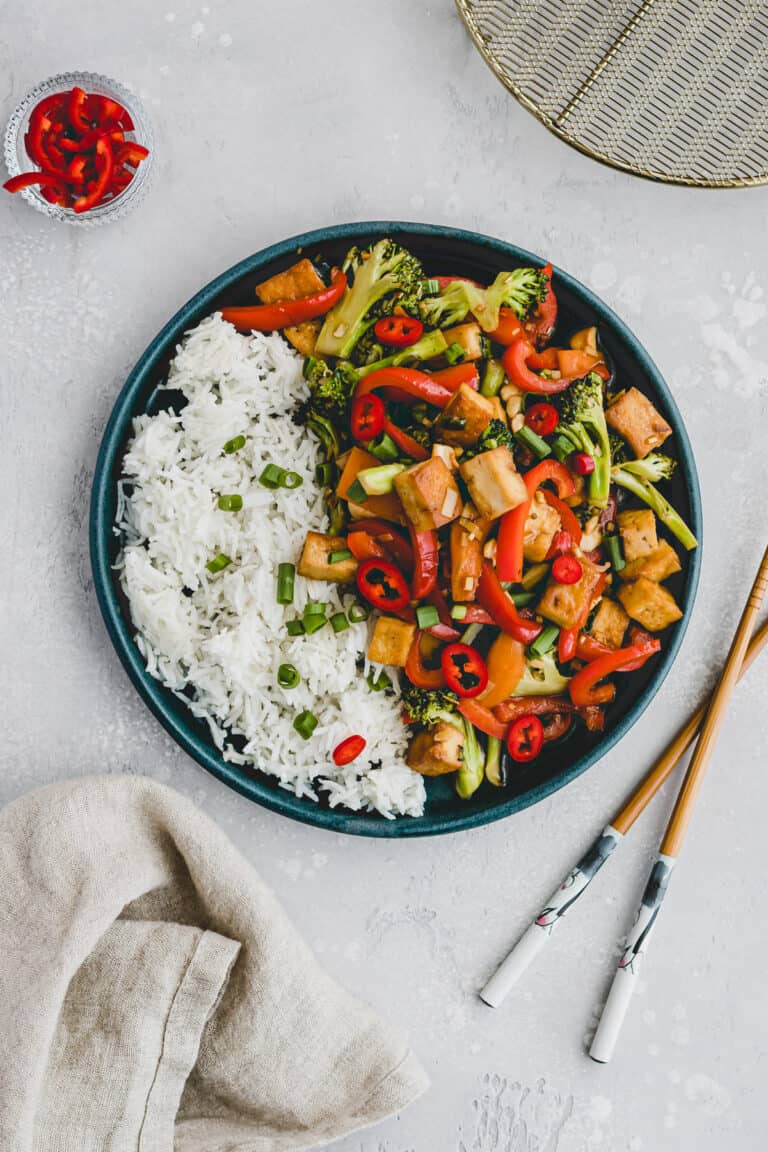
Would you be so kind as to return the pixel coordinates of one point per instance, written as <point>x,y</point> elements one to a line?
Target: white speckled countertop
<point>271,120</point>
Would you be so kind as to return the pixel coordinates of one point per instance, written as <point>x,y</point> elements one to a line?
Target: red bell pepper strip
<point>542,325</point>
<point>27,179</point>
<point>419,385</point>
<point>130,152</point>
<point>444,281</point>
<point>501,607</point>
<point>406,443</point>
<point>283,313</point>
<point>544,361</point>
<point>516,706</point>
<point>482,718</point>
<point>509,553</point>
<point>475,615</point>
<point>589,648</point>
<point>425,557</point>
<point>415,670</point>
<point>452,378</point>
<point>379,538</point>
<point>516,365</point>
<point>584,688</point>
<point>569,521</point>
<point>105,169</point>
<point>567,644</point>
<point>77,110</point>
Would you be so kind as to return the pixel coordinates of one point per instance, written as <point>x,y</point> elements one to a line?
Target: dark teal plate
<point>443,251</point>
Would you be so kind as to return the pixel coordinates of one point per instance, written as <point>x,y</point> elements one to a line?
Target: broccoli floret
<point>582,421</point>
<point>450,307</point>
<point>542,677</point>
<point>428,346</point>
<point>377,272</point>
<point>619,447</point>
<point>430,706</point>
<point>470,776</point>
<point>330,388</point>
<point>495,435</point>
<point>637,476</point>
<point>521,290</point>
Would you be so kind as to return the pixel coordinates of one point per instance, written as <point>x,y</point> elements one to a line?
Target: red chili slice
<point>542,419</point>
<point>566,570</point>
<point>399,331</point>
<point>368,417</point>
<point>383,585</point>
<point>583,463</point>
<point>464,670</point>
<point>525,738</point>
<point>348,750</point>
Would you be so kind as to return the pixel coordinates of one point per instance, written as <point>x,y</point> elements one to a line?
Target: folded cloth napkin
<point>153,995</point>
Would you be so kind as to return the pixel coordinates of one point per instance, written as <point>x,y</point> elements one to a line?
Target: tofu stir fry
<point>493,500</point>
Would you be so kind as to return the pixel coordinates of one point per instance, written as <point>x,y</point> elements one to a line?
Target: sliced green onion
<point>485,346</point>
<point>384,449</point>
<point>469,635</point>
<point>615,553</point>
<point>380,480</point>
<point>234,445</point>
<point>493,378</point>
<point>357,613</point>
<point>523,599</point>
<point>230,503</point>
<point>288,676</point>
<point>534,576</point>
<point>314,608</point>
<point>292,480</point>
<point>323,474</point>
<point>339,622</point>
<point>545,641</point>
<point>455,353</point>
<point>337,557</point>
<point>305,723</point>
<point>286,575</point>
<point>430,287</point>
<point>562,447</point>
<point>378,683</point>
<point>427,616</point>
<point>356,493</point>
<point>532,440</point>
<point>272,476</point>
<point>458,612</point>
<point>295,627</point>
<point>314,623</point>
<point>218,563</point>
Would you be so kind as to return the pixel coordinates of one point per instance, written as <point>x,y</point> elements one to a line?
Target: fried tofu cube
<point>568,604</point>
<point>468,336</point>
<point>541,525</point>
<point>429,494</point>
<point>657,565</point>
<point>494,483</point>
<point>638,533</point>
<point>436,751</point>
<point>610,623</point>
<point>634,417</point>
<point>391,641</point>
<point>300,279</point>
<point>649,603</point>
<point>465,417</point>
<point>315,561</point>
<point>468,534</point>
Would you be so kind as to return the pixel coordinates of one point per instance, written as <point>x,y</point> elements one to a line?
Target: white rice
<point>220,647</point>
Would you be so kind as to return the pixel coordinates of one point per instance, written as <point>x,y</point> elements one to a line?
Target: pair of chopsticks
<point>706,723</point>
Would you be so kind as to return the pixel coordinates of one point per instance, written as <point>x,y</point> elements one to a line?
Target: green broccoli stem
<point>431,344</point>
<point>470,776</point>
<point>651,496</point>
<point>493,771</point>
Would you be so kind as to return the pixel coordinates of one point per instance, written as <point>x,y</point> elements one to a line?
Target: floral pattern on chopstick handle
<point>578,879</point>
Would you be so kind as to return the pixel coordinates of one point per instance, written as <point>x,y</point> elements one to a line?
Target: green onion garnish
<point>272,476</point>
<point>469,635</point>
<point>532,440</point>
<point>455,353</point>
<point>295,627</point>
<point>358,612</point>
<point>615,553</point>
<point>286,574</point>
<point>314,608</point>
<point>305,724</point>
<point>288,676</point>
<point>292,480</point>
<point>430,287</point>
<point>493,378</point>
<point>234,445</point>
<point>339,622</point>
<point>384,449</point>
<point>458,612</point>
<point>545,641</point>
<point>356,493</point>
<point>378,683</point>
<point>427,616</point>
<point>562,447</point>
<point>523,599</point>
<point>218,563</point>
<point>230,503</point>
<point>323,474</point>
<point>337,557</point>
<point>314,623</point>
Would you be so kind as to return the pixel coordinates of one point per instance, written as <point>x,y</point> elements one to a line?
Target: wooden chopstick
<point>579,878</point>
<point>625,979</point>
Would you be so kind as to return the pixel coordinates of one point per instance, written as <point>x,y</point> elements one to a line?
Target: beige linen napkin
<point>153,995</point>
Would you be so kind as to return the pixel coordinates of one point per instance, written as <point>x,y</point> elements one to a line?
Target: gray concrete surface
<point>271,119</point>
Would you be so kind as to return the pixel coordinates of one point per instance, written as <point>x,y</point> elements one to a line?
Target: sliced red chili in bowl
<point>399,331</point>
<point>542,419</point>
<point>525,738</point>
<point>368,417</point>
<point>566,570</point>
<point>464,670</point>
<point>383,585</point>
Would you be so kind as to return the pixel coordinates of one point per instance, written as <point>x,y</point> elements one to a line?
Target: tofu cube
<point>436,751</point>
<point>300,279</point>
<point>494,483</point>
<point>567,605</point>
<point>429,494</point>
<point>499,411</point>
<point>468,534</point>
<point>468,336</point>
<point>610,623</point>
<point>657,565</point>
<point>315,563</point>
<point>541,525</point>
<point>638,533</point>
<point>466,415</point>
<point>635,418</point>
<point>391,641</point>
<point>649,603</point>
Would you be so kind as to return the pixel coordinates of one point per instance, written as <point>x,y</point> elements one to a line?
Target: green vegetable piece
<point>305,724</point>
<point>286,576</point>
<point>288,676</point>
<point>218,563</point>
<point>545,641</point>
<point>427,616</point>
<point>230,503</point>
<point>358,612</point>
<point>532,440</point>
<point>295,627</point>
<point>234,445</point>
<point>339,622</point>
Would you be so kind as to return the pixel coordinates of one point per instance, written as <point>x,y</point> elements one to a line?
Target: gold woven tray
<point>673,90</point>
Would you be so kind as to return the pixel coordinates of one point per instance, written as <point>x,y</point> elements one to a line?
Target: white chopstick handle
<point>625,980</point>
<point>538,933</point>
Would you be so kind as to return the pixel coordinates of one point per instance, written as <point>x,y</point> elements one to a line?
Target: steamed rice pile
<point>218,640</point>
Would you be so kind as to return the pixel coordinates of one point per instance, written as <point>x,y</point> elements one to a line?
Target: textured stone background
<point>272,119</point>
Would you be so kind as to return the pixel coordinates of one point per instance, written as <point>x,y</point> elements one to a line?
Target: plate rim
<point>154,694</point>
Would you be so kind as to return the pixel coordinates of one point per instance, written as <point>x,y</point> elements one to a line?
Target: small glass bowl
<point>17,160</point>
